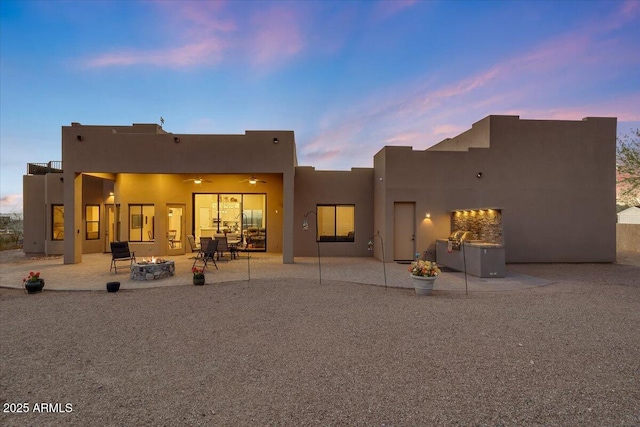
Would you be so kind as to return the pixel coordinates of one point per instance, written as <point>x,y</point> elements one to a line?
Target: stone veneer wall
<point>485,224</point>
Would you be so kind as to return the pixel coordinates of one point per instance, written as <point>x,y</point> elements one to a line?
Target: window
<point>57,222</point>
<point>141,223</point>
<point>336,223</point>
<point>92,222</point>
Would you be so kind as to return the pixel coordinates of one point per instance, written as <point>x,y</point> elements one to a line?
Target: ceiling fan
<point>196,180</point>
<point>253,180</point>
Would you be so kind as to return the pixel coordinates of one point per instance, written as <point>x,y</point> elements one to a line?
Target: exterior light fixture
<point>275,140</point>
<point>80,137</point>
<point>479,175</point>
<point>427,215</point>
<point>110,193</point>
<point>176,139</point>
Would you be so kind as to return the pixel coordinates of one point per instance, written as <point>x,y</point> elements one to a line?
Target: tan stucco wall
<point>34,204</point>
<point>553,180</point>
<point>313,188</point>
<point>54,196</point>
<point>162,189</point>
<point>146,150</point>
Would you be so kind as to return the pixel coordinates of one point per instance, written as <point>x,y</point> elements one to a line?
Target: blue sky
<point>348,76</point>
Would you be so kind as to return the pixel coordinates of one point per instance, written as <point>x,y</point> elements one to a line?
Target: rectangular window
<point>57,222</point>
<point>92,222</point>
<point>141,223</point>
<point>336,223</point>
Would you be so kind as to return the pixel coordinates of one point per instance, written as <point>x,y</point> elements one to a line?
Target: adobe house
<point>542,190</point>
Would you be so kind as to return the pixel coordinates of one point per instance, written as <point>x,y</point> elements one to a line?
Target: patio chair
<point>233,241</point>
<point>208,254</point>
<point>120,252</point>
<point>195,247</point>
<point>223,246</point>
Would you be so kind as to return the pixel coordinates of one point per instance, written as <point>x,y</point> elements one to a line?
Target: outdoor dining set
<point>212,249</point>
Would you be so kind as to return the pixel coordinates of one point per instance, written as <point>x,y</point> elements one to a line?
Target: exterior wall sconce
<point>427,215</point>
<point>479,175</point>
<point>110,193</point>
<point>275,140</point>
<point>176,139</point>
<point>80,137</point>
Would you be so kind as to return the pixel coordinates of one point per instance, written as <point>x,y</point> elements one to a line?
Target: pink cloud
<point>385,9</point>
<point>208,33</point>
<point>275,36</point>
<point>200,28</point>
<point>205,52</point>
<point>11,203</point>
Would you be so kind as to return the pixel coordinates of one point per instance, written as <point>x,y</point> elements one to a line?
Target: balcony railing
<point>44,168</point>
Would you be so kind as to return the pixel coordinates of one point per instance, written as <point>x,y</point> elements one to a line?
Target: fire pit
<point>153,269</point>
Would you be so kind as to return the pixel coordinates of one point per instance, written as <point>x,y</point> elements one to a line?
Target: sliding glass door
<point>227,213</point>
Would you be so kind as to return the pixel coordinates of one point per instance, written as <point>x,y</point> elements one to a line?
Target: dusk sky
<point>349,77</point>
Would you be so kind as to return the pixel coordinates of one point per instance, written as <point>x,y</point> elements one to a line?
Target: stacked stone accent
<point>484,224</point>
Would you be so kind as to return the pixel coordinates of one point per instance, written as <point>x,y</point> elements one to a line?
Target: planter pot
<point>198,281</point>
<point>423,284</point>
<point>113,286</point>
<point>34,286</point>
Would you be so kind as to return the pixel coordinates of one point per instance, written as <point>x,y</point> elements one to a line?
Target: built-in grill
<point>458,237</point>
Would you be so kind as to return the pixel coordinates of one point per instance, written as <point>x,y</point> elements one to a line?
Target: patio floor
<point>93,273</point>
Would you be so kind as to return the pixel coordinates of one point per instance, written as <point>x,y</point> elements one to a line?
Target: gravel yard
<point>291,352</point>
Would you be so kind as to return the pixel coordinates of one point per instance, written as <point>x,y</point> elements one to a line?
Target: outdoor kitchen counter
<point>482,259</point>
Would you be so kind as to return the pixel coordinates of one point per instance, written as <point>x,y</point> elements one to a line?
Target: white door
<point>404,231</point>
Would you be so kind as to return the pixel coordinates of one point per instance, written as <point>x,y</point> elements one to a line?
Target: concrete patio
<point>93,273</point>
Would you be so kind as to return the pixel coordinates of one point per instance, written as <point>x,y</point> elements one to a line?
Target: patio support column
<point>288,219</point>
<point>73,218</point>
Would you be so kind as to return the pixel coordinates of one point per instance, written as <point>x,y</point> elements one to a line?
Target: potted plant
<point>198,276</point>
<point>424,275</point>
<point>33,283</point>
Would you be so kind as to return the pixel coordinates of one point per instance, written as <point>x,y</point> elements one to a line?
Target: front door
<point>404,231</point>
<point>176,238</point>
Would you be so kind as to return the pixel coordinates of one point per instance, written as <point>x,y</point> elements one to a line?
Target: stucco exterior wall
<point>553,182</point>
<point>147,150</point>
<point>34,212</point>
<point>54,195</point>
<point>554,210</point>
<point>162,189</point>
<point>314,187</point>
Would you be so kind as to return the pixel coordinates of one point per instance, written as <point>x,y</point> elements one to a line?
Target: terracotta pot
<point>423,284</point>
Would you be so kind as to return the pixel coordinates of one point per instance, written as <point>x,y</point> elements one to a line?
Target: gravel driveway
<point>291,352</point>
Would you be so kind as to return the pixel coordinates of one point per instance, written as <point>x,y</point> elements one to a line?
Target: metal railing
<point>44,168</point>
